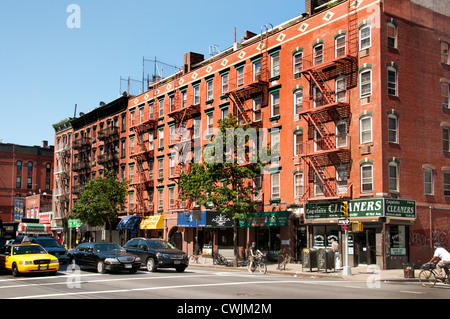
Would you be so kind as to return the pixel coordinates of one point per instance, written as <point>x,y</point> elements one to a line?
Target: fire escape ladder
<point>321,175</point>
<point>319,78</point>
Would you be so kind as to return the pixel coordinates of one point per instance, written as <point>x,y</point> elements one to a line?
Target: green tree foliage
<point>101,201</point>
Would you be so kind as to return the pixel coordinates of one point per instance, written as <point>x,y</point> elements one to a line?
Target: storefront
<point>152,226</point>
<point>384,238</point>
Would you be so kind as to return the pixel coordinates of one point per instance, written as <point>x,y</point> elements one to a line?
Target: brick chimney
<point>190,59</point>
<point>310,5</point>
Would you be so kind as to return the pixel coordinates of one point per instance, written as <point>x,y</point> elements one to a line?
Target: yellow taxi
<point>27,258</point>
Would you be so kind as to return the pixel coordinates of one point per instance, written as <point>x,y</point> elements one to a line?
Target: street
<point>204,283</point>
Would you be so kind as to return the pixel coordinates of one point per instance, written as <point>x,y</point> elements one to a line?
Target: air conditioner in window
<point>366,149</point>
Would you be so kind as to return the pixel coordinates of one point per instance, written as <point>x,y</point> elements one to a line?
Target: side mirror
<point>143,247</point>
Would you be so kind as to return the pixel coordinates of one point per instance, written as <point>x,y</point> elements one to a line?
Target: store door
<point>365,246</point>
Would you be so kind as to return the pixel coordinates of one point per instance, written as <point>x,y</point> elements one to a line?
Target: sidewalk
<point>361,273</point>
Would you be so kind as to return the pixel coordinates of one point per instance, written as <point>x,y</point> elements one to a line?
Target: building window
<point>298,64</point>
<point>393,176</point>
<point>318,185</point>
<point>171,197</point>
<point>366,178</point>
<point>19,165</point>
<point>317,96</point>
<point>275,103</point>
<point>428,181</point>
<point>19,182</point>
<point>364,37</point>
<point>318,54</point>
<point>445,92</point>
<point>340,48</point>
<point>171,165</point>
<point>224,113</point>
<point>298,186</point>
<point>197,95</point>
<point>257,70</point>
<point>225,83</point>
<point>209,124</point>
<point>341,133</point>
<point>161,137</point>
<point>365,80</point>
<point>240,76</point>
<point>172,134</point>
<point>161,108</point>
<point>275,186</point>
<point>444,52</point>
<point>183,98</point>
<point>197,127</point>
<point>29,183</point>
<point>275,62</point>
<point>365,127</point>
<point>209,90</point>
<point>298,101</point>
<point>341,89</point>
<point>160,199</point>
<point>392,81</point>
<point>446,183</point>
<point>150,141</point>
<point>341,179</point>
<point>391,35</point>
<point>446,139</point>
<point>171,105</point>
<point>160,168</point>
<point>392,128</point>
<point>257,109</point>
<point>30,166</point>
<point>298,143</point>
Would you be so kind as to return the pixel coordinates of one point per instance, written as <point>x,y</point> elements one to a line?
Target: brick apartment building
<point>341,90</point>
<point>26,183</point>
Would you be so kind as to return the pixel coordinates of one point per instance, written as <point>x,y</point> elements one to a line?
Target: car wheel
<point>180,269</point>
<point>101,267</point>
<point>15,270</point>
<point>151,265</point>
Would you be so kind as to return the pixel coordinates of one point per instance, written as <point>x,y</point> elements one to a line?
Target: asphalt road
<point>205,284</point>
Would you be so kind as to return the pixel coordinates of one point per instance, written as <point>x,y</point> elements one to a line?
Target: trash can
<point>309,258</point>
<point>325,259</point>
<point>408,270</point>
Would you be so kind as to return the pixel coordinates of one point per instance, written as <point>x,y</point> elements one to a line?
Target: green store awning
<point>266,219</point>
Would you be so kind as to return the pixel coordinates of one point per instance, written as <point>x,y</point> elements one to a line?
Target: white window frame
<point>209,123</point>
<point>318,54</point>
<point>341,179</point>
<point>392,131</point>
<point>392,81</point>
<point>240,76</point>
<point>341,133</point>
<point>297,61</point>
<point>393,176</point>
<point>257,109</point>
<point>161,108</point>
<point>298,142</point>
<point>365,39</point>
<point>368,180</point>
<point>160,137</point>
<point>340,46</point>
<point>275,64</point>
<point>257,70</point>
<point>160,198</point>
<point>274,187</point>
<point>209,90</point>
<point>363,132</point>
<point>444,52</point>
<point>393,38</point>
<point>428,181</point>
<point>225,86</point>
<point>367,84</point>
<point>341,89</point>
<point>272,103</point>
<point>298,101</point>
<point>196,94</point>
<point>298,186</point>
<point>446,139</point>
<point>445,93</point>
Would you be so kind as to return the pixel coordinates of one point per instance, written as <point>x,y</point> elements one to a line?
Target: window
<point>298,101</point>
<point>275,62</point>
<point>240,76</point>
<point>341,179</point>
<point>446,139</point>
<point>19,165</point>
<point>224,113</point>
<point>171,165</point>
<point>444,52</point>
<point>150,111</point>
<point>209,90</point>
<point>160,198</point>
<point>365,79</point>
<point>318,54</point>
<point>29,183</point>
<point>428,181</point>
<point>171,197</point>
<point>275,103</point>
<point>275,146</point>
<point>275,186</point>
<point>341,134</point>
<point>197,127</point>
<point>364,37</point>
<point>391,35</point>
<point>197,95</point>
<point>150,141</point>
<point>340,46</point>
<point>341,89</point>
<point>30,166</point>
<point>298,64</point>
<point>257,109</point>
<point>318,185</point>
<point>257,71</point>
<point>172,134</point>
<point>317,96</point>
<point>298,143</point>
<point>18,182</point>
<point>131,173</point>
<point>132,118</point>
<point>209,124</point>
<point>392,128</point>
<point>445,92</point>
<point>298,186</point>
<point>131,200</point>
<point>224,83</point>
<point>171,103</point>
<point>366,178</point>
<point>365,126</point>
<point>446,183</point>
<point>161,168</point>
<point>393,176</point>
<point>392,81</point>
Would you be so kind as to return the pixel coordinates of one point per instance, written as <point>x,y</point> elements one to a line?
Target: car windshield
<point>159,244</point>
<point>48,242</point>
<point>107,248</point>
<point>28,249</point>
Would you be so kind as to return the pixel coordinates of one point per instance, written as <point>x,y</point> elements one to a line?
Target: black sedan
<point>104,256</point>
<point>157,253</point>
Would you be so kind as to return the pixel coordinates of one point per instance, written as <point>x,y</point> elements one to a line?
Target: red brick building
<point>24,171</point>
<point>341,90</point>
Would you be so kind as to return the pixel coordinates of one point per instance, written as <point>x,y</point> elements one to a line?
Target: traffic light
<point>357,227</point>
<point>344,209</point>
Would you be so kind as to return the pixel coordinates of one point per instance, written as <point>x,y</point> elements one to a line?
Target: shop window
<point>398,238</point>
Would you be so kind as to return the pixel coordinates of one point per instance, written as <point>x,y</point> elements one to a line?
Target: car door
<point>78,254</point>
<point>90,258</point>
<point>5,251</point>
<point>141,250</point>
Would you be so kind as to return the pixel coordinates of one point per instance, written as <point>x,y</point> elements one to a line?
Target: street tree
<point>101,201</point>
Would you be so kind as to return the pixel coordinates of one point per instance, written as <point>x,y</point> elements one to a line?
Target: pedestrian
<point>441,257</point>
<point>337,257</point>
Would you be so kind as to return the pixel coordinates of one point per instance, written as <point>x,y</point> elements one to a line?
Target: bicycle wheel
<point>262,268</point>
<point>201,260</point>
<point>427,278</point>
<point>192,259</point>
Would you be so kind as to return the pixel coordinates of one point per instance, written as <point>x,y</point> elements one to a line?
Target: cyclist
<point>253,253</point>
<point>441,257</point>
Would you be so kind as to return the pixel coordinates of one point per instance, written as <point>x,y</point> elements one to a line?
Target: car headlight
<point>163,256</point>
<point>26,262</point>
<point>137,259</point>
<point>112,260</point>
<point>54,261</point>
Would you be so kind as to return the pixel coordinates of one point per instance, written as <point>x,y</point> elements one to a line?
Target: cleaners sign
<point>375,207</point>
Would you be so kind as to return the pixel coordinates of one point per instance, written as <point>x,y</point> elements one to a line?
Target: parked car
<point>27,258</point>
<point>104,256</point>
<point>54,248</point>
<point>157,253</point>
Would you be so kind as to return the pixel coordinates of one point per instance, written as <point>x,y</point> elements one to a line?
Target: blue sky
<point>46,67</point>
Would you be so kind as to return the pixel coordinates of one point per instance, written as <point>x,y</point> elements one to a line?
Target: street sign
<point>345,227</point>
<point>343,221</point>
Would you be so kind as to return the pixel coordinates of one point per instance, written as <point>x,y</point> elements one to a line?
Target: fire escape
<point>329,146</point>
<point>142,154</point>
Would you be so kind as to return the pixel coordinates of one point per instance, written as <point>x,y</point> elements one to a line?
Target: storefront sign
<point>187,220</point>
<point>74,223</point>
<point>215,219</point>
<point>152,222</point>
<point>374,207</point>
<point>266,219</point>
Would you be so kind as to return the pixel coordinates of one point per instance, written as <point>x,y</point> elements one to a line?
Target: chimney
<point>248,35</point>
<point>190,59</point>
<point>310,5</point>
<point>44,144</point>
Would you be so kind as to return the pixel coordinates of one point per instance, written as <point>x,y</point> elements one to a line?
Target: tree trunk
<point>235,242</point>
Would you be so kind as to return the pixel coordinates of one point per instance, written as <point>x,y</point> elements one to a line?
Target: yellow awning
<point>152,222</point>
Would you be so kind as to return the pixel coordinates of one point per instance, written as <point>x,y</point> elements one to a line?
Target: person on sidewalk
<point>253,253</point>
<point>337,258</point>
<point>441,257</point>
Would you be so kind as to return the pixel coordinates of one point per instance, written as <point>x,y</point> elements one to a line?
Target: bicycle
<point>196,258</point>
<point>218,259</point>
<point>283,260</point>
<point>428,277</point>
<point>258,262</point>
